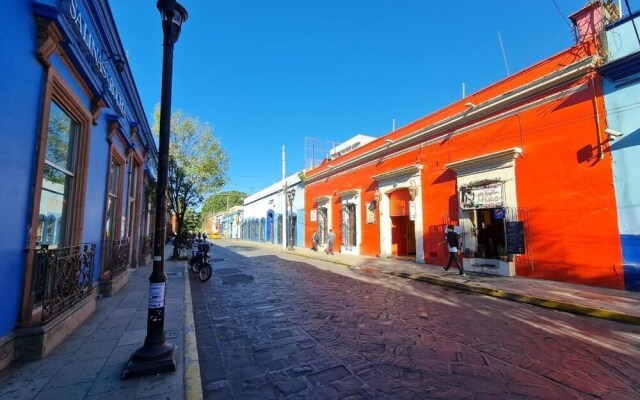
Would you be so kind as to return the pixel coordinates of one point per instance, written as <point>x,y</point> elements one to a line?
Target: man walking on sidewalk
<point>330,241</point>
<point>453,240</point>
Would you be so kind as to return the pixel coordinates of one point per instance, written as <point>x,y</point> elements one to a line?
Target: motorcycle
<point>199,262</point>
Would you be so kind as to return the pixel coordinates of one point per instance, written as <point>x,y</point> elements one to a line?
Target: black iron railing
<point>119,257</point>
<point>62,277</point>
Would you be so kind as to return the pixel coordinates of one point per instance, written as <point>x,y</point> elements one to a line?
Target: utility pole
<point>284,202</point>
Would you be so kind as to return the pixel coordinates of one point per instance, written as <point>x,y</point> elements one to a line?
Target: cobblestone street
<point>272,327</point>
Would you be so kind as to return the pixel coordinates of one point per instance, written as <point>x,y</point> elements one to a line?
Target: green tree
<point>192,220</point>
<point>197,166</point>
<point>222,201</point>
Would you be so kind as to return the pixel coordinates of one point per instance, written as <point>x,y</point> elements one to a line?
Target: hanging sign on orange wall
<point>481,197</point>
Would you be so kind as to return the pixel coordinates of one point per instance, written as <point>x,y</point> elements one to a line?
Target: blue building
<point>263,215</point>
<point>621,84</point>
<point>78,161</point>
<point>230,222</point>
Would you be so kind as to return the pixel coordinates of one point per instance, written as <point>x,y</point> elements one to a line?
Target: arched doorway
<point>270,235</point>
<point>401,213</point>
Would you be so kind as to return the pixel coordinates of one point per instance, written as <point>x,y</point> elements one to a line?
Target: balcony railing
<point>62,277</point>
<point>120,257</point>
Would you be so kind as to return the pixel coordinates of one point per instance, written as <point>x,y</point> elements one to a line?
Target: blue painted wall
<point>97,176</point>
<point>20,93</point>
<point>621,82</point>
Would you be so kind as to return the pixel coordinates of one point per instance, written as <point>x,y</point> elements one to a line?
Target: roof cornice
<point>472,114</point>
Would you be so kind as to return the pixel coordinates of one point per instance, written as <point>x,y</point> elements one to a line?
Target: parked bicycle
<point>199,262</point>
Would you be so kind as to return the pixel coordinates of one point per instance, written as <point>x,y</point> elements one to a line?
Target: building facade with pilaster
<point>79,166</point>
<point>522,168</point>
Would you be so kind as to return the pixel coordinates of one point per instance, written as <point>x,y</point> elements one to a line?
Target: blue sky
<point>268,73</point>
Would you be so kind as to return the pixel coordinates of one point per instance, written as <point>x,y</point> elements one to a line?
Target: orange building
<point>522,168</point>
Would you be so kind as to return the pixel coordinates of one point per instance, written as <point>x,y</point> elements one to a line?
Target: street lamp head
<point>173,16</point>
<point>377,196</point>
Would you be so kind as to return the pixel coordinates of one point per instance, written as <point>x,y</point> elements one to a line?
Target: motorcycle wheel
<point>195,267</point>
<point>205,272</point>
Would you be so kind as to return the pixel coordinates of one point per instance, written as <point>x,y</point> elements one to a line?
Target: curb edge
<point>193,384</point>
<point>524,298</point>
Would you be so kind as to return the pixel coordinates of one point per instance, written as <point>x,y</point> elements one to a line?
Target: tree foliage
<point>197,165</point>
<point>222,201</point>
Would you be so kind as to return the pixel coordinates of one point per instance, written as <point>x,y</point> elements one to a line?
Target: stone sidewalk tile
<point>89,363</point>
<point>605,303</point>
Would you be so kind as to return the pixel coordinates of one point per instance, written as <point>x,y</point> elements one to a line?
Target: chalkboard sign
<point>515,237</point>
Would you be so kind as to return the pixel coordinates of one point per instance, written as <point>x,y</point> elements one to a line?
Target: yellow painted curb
<point>193,384</point>
<point>312,257</point>
<point>523,298</point>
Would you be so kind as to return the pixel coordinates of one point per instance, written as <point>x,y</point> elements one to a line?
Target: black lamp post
<point>156,355</point>
<point>291,194</point>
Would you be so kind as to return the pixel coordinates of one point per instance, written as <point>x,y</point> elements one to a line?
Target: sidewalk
<point>88,364</point>
<point>611,304</point>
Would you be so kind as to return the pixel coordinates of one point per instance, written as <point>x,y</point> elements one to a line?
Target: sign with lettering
<point>514,232</point>
<point>156,295</point>
<point>96,54</point>
<point>313,215</point>
<point>482,197</point>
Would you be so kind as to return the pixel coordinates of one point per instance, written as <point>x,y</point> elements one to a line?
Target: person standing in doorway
<point>453,241</point>
<point>314,241</point>
<point>331,238</point>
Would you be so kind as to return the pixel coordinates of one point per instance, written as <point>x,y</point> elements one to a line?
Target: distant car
<point>215,235</point>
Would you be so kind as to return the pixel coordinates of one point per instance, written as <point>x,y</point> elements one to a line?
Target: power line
<point>633,21</point>
<point>562,15</point>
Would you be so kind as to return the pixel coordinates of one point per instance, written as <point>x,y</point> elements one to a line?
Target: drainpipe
<point>597,112</point>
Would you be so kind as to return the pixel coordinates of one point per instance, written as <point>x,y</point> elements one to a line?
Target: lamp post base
<point>152,361</point>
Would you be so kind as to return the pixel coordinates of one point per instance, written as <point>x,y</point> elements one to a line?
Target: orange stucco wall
<point>566,188</point>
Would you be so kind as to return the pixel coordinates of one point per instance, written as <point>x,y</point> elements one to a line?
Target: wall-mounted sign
<point>313,215</point>
<point>97,55</point>
<point>412,210</point>
<point>371,212</point>
<point>481,197</point>
<point>514,233</point>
